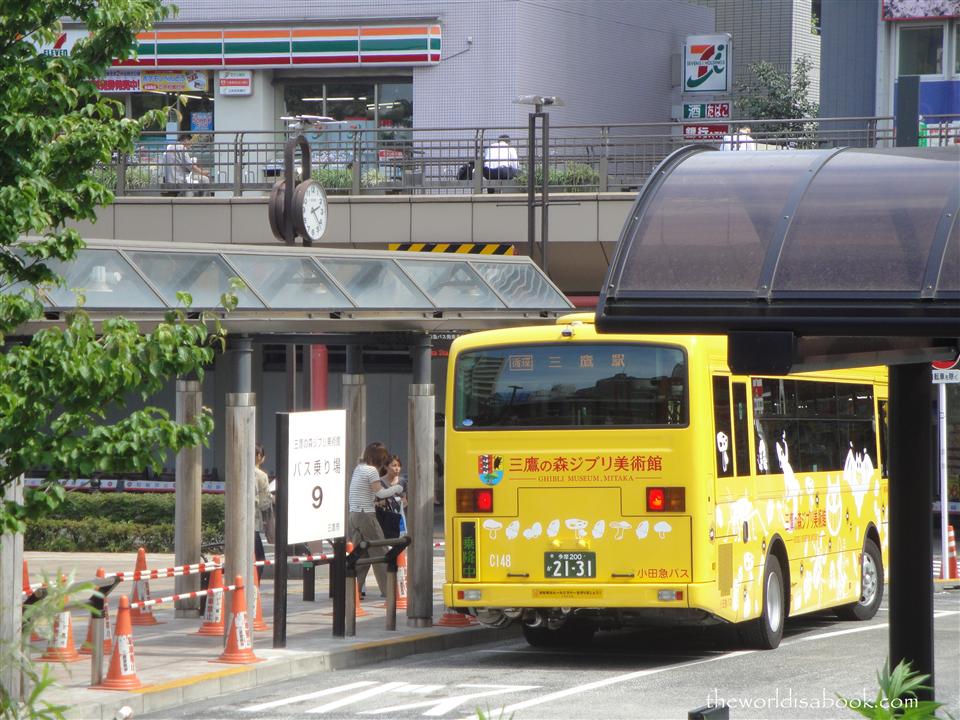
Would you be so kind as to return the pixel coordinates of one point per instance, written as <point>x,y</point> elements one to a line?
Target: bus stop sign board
<point>315,476</point>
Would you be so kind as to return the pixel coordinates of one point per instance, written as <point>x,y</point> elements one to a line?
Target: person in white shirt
<point>500,160</point>
<point>179,168</point>
<point>365,488</point>
<point>740,141</point>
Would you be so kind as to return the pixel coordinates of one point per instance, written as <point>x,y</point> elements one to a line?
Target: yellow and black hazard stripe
<point>457,248</point>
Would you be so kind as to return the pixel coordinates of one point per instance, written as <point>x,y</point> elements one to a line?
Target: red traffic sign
<point>946,364</point>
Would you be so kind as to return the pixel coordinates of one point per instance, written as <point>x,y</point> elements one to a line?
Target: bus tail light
<point>475,500</point>
<point>666,499</point>
<point>469,594</point>
<point>669,595</point>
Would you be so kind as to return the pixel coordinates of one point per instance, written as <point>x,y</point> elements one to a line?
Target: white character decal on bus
<point>598,529</point>
<point>533,532</point>
<point>513,529</point>
<point>858,472</point>
<point>662,528</point>
<point>578,526</point>
<point>553,528</point>
<point>790,482</point>
<point>620,526</point>
<point>492,526</point>
<point>642,530</point>
<point>723,444</point>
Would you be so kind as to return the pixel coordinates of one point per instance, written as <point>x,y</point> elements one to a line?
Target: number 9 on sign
<point>317,496</point>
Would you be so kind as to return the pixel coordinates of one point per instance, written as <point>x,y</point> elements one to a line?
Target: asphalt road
<point>625,675</point>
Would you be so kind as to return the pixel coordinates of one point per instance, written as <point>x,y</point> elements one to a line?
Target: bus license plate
<point>570,564</point>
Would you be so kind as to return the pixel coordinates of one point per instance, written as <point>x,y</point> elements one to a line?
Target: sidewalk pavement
<point>175,665</point>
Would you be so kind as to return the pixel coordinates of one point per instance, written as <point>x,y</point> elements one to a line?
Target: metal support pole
<point>907,111</point>
<point>944,489</point>
<point>545,190</point>
<point>421,406</point>
<point>350,590</point>
<point>391,604</point>
<point>188,492</point>
<point>240,491</point>
<point>910,498</point>
<point>309,575</point>
<point>96,652</point>
<point>338,576</point>
<point>280,547</point>
<point>355,403</point>
<point>531,185</point>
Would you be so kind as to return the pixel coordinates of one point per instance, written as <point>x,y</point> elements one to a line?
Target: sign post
<point>311,491</point>
<point>943,373</point>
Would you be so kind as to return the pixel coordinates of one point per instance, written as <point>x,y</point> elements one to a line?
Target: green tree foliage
<point>58,387</point>
<point>775,95</point>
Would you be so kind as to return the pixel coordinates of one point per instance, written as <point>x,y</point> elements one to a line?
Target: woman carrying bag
<point>390,510</point>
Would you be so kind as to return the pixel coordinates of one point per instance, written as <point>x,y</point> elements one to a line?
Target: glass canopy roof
<point>836,241</point>
<point>137,276</point>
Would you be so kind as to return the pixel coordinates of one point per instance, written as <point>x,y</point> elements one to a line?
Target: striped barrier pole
<point>181,596</point>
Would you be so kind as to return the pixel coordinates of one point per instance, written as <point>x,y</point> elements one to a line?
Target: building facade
<point>420,63</point>
<point>867,44</point>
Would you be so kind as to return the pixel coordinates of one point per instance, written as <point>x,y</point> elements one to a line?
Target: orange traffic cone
<point>87,647</point>
<point>258,622</point>
<point>456,619</point>
<point>26,588</point>
<point>122,674</point>
<point>141,592</point>
<point>952,552</point>
<point>212,624</point>
<point>239,649</point>
<point>61,647</point>
<point>402,581</point>
<point>360,612</point>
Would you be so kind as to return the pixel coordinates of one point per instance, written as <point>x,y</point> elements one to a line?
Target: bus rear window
<point>567,385</point>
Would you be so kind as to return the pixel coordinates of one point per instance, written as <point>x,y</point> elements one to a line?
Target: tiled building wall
<point>777,31</point>
<point>849,58</point>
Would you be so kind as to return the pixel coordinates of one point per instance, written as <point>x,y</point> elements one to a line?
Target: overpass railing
<point>589,158</point>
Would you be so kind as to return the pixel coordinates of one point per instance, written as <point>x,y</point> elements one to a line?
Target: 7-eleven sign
<point>707,64</point>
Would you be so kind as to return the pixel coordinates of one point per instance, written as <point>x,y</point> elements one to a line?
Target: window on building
<point>956,50</point>
<point>920,50</point>
<point>369,103</point>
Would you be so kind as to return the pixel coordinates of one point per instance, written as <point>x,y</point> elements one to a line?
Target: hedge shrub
<point>117,522</point>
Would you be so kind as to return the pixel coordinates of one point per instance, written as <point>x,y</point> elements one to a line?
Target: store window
<point>920,50</point>
<point>956,50</point>
<point>364,103</point>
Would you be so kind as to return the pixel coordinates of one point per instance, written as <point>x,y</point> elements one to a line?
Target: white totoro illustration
<point>642,529</point>
<point>662,528</point>
<point>553,528</point>
<point>492,526</point>
<point>578,526</point>
<point>620,526</point>
<point>723,444</point>
<point>513,529</point>
<point>598,529</point>
<point>534,531</point>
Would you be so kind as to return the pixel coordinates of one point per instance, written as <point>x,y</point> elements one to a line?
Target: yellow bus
<point>600,481</point>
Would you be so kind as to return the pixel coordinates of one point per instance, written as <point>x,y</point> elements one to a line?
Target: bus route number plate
<point>570,564</point>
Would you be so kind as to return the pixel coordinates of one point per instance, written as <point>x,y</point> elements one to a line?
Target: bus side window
<point>723,436</point>
<point>741,429</point>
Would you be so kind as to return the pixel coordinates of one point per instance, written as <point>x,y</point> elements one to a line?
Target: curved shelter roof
<point>835,242</point>
<point>296,289</point>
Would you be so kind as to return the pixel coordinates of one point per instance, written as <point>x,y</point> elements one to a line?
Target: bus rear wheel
<point>766,631</point>
<point>573,633</point>
<point>871,585</point>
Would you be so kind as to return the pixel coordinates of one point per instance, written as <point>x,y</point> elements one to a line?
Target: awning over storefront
<point>293,289</point>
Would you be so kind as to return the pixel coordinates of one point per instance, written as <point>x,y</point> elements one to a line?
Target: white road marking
<point>371,692</point>
<point>596,685</point>
<point>307,696</point>
<point>441,706</point>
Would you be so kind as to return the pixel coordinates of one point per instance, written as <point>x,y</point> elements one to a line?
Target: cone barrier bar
<point>239,649</point>
<point>951,565</point>
<point>122,674</point>
<point>182,596</point>
<point>177,571</point>
<point>318,559</point>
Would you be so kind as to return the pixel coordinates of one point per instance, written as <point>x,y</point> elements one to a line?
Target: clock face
<point>312,211</point>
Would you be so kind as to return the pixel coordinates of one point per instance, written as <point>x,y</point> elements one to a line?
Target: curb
<point>218,683</point>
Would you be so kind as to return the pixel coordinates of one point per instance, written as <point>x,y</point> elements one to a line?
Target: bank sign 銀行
<point>707,65</point>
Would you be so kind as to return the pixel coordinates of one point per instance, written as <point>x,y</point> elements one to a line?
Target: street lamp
<point>538,102</point>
